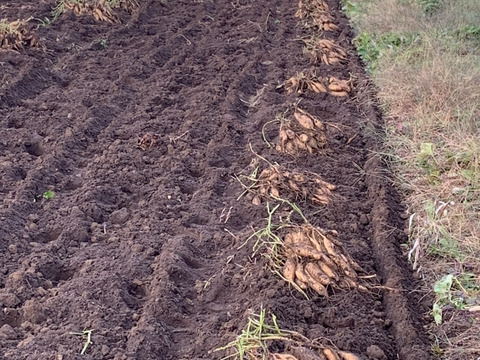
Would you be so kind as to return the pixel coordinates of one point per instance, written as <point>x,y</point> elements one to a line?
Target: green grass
<point>48,195</point>
<point>430,6</point>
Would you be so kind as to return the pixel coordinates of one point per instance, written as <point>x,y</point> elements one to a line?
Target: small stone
<point>112,239</point>
<point>41,291</point>
<point>28,326</point>
<point>9,300</point>
<point>119,216</point>
<point>308,313</point>
<point>33,312</point>
<point>135,317</point>
<point>364,219</point>
<point>137,248</point>
<point>105,350</point>
<point>25,342</point>
<point>12,248</point>
<point>375,353</point>
<point>33,217</point>
<point>47,284</point>
<point>7,332</point>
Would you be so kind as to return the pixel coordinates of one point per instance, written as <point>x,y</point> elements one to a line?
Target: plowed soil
<point>144,246</point>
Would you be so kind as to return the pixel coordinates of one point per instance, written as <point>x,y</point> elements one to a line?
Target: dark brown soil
<point>136,244</point>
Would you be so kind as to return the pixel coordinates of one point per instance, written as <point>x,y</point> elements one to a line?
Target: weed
<point>371,47</point>
<point>43,22</point>
<point>261,331</point>
<point>48,195</point>
<point>252,343</point>
<point>351,8</point>
<point>268,241</point>
<point>430,6</point>
<point>87,335</point>
<point>469,32</point>
<point>58,10</point>
<point>457,291</point>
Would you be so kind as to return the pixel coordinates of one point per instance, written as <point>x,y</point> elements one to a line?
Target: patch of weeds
<point>371,47</point>
<point>252,343</point>
<point>430,6</point>
<point>43,22</point>
<point>446,246</point>
<point>58,10</point>
<point>367,49</point>
<point>436,349</point>
<point>426,160</point>
<point>268,241</point>
<point>262,335</point>
<point>443,245</point>
<point>457,292</point>
<point>428,90</point>
<point>469,32</point>
<point>351,8</point>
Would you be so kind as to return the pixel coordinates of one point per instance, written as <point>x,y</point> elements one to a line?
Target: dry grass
<point>427,70</point>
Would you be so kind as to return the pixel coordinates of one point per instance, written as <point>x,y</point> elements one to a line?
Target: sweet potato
<point>330,354</point>
<point>348,356</point>
<point>328,271</point>
<point>289,270</point>
<point>314,270</point>
<point>300,273</point>
<point>304,120</point>
<point>306,251</point>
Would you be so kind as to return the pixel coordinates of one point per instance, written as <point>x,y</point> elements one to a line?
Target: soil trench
<point>144,246</point>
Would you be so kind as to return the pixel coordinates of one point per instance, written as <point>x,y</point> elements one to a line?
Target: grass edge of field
<point>424,59</point>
